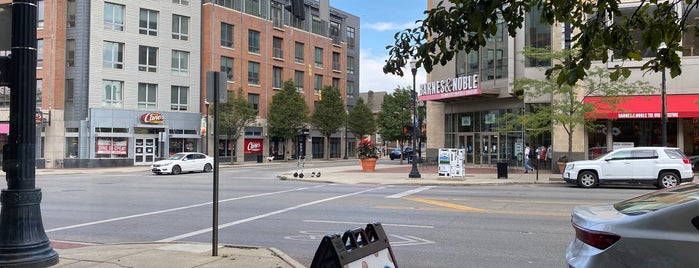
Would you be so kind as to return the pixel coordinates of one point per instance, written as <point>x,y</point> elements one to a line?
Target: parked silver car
<point>661,166</point>
<point>658,229</point>
<point>183,162</point>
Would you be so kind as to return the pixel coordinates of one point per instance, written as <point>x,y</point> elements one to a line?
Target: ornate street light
<point>414,173</point>
<point>663,106</point>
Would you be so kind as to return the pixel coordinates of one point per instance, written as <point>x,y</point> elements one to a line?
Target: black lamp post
<point>663,106</point>
<point>206,150</point>
<point>414,173</point>
<point>346,138</point>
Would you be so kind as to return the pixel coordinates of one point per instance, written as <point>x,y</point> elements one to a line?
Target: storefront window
<point>178,145</point>
<point>71,147</point>
<point>225,147</point>
<point>112,147</point>
<point>639,132</point>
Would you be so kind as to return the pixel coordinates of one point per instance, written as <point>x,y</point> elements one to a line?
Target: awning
<point>642,107</point>
<point>4,128</point>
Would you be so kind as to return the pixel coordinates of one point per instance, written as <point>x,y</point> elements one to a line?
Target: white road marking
<point>409,240</point>
<point>221,226</point>
<point>176,209</point>
<point>407,193</point>
<point>364,223</point>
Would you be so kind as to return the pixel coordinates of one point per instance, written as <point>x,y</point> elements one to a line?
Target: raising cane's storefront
<point>637,120</point>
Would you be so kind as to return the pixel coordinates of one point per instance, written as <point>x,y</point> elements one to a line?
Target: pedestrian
<point>527,150</point>
<point>549,154</point>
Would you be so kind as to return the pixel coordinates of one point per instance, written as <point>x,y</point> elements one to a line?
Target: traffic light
<point>408,129</point>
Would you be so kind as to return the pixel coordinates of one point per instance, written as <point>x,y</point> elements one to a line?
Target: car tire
<point>587,179</point>
<point>668,179</point>
<point>392,157</point>
<point>176,170</point>
<point>207,168</point>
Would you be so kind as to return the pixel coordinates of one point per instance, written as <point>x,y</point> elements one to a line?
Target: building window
<point>225,3</point>
<point>350,65</point>
<point>180,62</point>
<point>39,91</point>
<point>636,35</point>
<point>252,7</point>
<point>336,61</point>
<point>113,94</point>
<point>113,55</point>
<point>318,60</point>
<point>147,58</point>
<point>254,99</point>
<point>690,41</point>
<point>226,35</point>
<point>317,84</point>
<point>298,52</point>
<point>253,73</point>
<point>70,13</point>
<point>316,25</point>
<point>298,79</point>
<point>335,32</point>
<point>227,67</point>
<point>113,16</point>
<point>148,22</point>
<point>181,2</point>
<point>277,50</point>
<point>39,53</point>
<point>111,147</point>
<point>350,89</point>
<point>40,14</point>
<point>277,77</point>
<point>70,52</point>
<point>336,83</point>
<point>147,96</point>
<point>179,98</point>
<point>253,41</point>
<point>71,147</point>
<point>277,15</point>
<point>350,37</point>
<point>4,97</point>
<point>538,36</point>
<point>298,23</point>
<point>68,92</point>
<point>180,27</point>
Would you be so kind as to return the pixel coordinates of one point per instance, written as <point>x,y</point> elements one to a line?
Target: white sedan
<point>183,162</point>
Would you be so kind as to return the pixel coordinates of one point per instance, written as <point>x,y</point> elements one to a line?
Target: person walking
<point>527,150</point>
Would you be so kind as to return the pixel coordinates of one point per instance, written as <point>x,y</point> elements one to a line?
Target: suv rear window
<point>658,200</point>
<point>675,153</point>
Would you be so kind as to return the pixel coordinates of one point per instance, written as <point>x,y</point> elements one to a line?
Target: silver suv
<point>661,166</point>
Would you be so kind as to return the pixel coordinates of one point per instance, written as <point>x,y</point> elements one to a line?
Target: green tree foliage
<point>234,115</point>
<point>394,115</point>
<point>329,115</point>
<point>288,113</point>
<point>468,24</point>
<point>360,120</point>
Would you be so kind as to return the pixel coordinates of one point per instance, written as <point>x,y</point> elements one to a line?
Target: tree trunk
<point>326,148</point>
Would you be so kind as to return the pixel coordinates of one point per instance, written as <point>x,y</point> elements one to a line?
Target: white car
<point>661,166</point>
<point>183,162</point>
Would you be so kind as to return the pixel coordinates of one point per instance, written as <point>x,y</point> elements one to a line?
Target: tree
<point>360,120</point>
<point>288,113</point>
<point>329,115</point>
<point>567,108</point>
<point>234,115</point>
<point>468,24</point>
<point>394,115</point>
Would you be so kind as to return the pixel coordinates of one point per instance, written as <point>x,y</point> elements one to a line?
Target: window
<point>71,147</point>
<point>690,41</point>
<point>253,73</point>
<point>277,77</point>
<point>147,96</point>
<point>70,52</point>
<point>113,93</point>
<point>298,78</point>
<point>39,53</point>
<point>335,32</point>
<point>350,89</point>
<point>298,52</point>
<point>316,25</point>
<point>636,35</point>
<point>254,99</point>
<point>113,55</point>
<point>70,13</point>
<point>350,37</point>
<point>147,59</point>
<point>225,3</point>
<point>350,65</point>
<point>148,22</point>
<point>253,41</point>
<point>227,67</point>
<point>336,61</point>
<point>68,92</point>
<point>538,36</point>
<point>180,27</point>
<point>252,7</point>
<point>178,98</point>
<point>39,91</point>
<point>226,35</point>
<point>277,14</point>
<point>111,147</point>
<point>113,17</point>
<point>277,50</point>
<point>336,83</point>
<point>181,2</point>
<point>318,57</point>
<point>4,97</point>
<point>180,62</point>
<point>40,14</point>
<point>317,84</point>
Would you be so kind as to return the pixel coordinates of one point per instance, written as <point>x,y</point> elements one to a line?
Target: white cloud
<point>388,26</point>
<point>372,78</point>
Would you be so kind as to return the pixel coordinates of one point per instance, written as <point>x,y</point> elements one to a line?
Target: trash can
<point>259,158</point>
<point>502,169</point>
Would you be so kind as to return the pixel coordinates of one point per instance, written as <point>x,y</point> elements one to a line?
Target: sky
<point>379,21</point>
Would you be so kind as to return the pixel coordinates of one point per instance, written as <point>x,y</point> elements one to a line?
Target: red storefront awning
<point>641,107</point>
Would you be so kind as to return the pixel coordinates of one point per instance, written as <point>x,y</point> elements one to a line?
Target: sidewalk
<point>78,255</point>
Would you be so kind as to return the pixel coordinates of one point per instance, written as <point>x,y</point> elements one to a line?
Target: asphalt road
<point>476,226</point>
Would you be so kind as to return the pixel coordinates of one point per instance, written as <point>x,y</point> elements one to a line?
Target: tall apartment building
<point>481,91</point>
<point>122,82</point>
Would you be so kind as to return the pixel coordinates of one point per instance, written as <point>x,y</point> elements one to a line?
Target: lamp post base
<point>414,173</point>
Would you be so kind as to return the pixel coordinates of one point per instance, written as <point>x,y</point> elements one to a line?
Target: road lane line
<point>407,193</point>
<point>364,223</point>
<point>221,226</point>
<point>445,204</point>
<point>175,209</point>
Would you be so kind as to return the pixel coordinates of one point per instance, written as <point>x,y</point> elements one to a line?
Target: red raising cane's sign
<point>253,146</point>
<point>152,118</point>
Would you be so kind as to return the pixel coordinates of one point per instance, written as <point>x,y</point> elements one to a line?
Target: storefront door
<point>489,147</point>
<point>145,151</point>
<point>467,142</point>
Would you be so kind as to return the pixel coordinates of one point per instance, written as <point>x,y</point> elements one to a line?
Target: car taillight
<point>600,240</point>
<point>685,160</point>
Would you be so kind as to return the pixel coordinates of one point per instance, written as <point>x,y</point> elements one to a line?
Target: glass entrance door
<point>467,142</point>
<point>489,148</point>
<point>145,151</point>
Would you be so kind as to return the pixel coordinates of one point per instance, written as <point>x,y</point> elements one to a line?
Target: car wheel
<point>176,170</point>
<point>667,180</point>
<point>207,167</point>
<point>587,179</point>
<point>392,157</point>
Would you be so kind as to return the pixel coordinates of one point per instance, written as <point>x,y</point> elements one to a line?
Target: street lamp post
<point>346,138</point>
<point>663,106</point>
<point>206,150</point>
<point>414,173</point>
